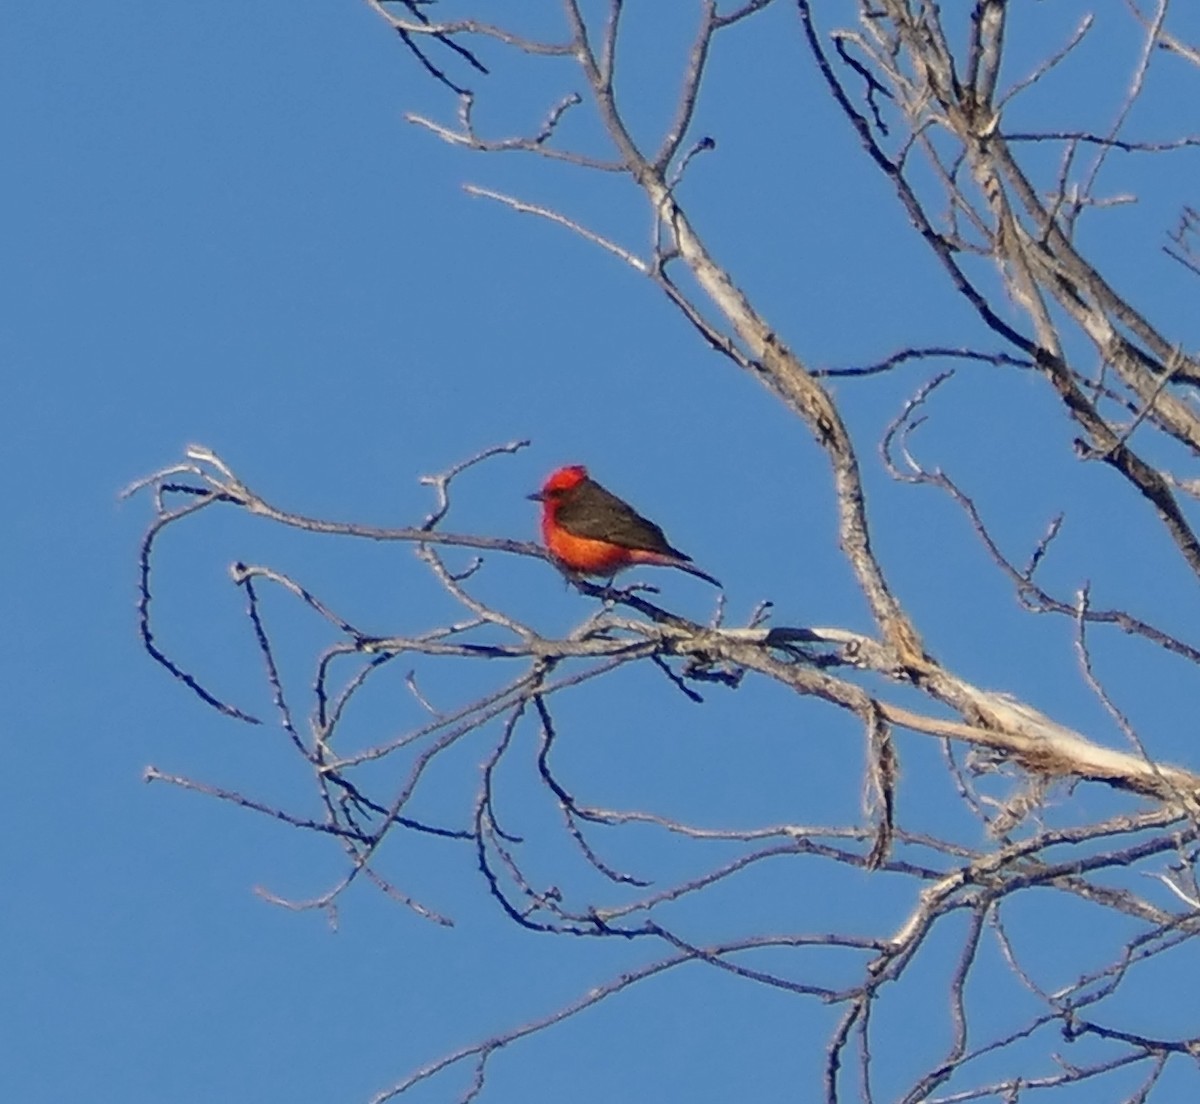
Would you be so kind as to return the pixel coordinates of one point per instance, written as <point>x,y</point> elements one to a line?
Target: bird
<point>589,531</point>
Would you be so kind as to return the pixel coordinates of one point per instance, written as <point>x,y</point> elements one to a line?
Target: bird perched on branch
<point>590,531</point>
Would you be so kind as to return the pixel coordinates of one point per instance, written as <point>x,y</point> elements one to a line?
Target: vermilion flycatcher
<point>590,531</point>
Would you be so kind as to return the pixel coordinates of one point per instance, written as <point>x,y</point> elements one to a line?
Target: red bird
<point>592,532</point>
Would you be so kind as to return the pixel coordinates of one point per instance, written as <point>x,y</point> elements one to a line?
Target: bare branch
<point>629,258</point>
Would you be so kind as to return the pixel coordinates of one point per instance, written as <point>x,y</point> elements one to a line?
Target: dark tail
<point>684,565</point>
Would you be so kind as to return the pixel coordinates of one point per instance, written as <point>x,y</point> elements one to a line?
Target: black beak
<point>539,497</point>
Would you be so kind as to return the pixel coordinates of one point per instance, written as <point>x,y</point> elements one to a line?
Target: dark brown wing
<point>588,510</point>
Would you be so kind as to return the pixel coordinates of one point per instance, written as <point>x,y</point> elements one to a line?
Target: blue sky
<point>221,230</point>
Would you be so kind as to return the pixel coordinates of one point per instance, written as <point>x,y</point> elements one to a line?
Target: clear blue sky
<point>218,228</point>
